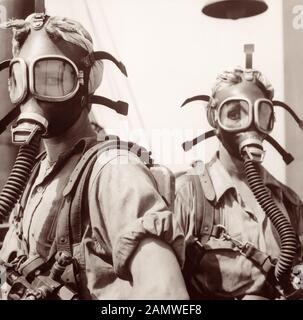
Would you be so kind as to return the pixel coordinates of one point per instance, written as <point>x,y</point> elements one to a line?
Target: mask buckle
<point>249,50</point>
<point>89,60</point>
<point>38,21</point>
<point>248,73</point>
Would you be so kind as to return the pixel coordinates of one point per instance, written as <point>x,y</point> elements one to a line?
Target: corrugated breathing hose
<point>19,177</point>
<point>282,225</point>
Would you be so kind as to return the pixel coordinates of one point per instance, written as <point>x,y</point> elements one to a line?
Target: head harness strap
<point>291,111</point>
<point>120,107</point>
<point>4,64</point>
<point>196,98</point>
<point>90,59</point>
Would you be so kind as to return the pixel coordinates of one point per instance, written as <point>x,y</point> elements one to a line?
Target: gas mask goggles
<point>238,114</point>
<point>51,78</point>
<point>248,122</point>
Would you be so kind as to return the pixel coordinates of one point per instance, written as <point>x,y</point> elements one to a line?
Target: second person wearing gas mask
<point>242,226</point>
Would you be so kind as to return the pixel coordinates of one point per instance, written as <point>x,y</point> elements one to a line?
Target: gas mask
<point>242,116</point>
<point>46,90</point>
<point>49,84</point>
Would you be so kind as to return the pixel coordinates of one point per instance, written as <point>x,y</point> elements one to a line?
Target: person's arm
<point>147,245</point>
<point>156,273</point>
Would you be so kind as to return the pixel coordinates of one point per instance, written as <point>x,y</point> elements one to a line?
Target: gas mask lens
<point>265,116</point>
<point>237,114</point>
<point>49,78</point>
<point>54,78</point>
<point>234,114</point>
<point>17,81</point>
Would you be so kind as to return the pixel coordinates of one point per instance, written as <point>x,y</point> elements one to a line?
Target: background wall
<point>293,67</point>
<point>172,52</point>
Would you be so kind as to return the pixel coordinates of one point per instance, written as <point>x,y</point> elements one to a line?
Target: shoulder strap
<point>69,225</point>
<point>70,220</point>
<point>199,205</point>
<point>112,143</point>
<point>206,212</point>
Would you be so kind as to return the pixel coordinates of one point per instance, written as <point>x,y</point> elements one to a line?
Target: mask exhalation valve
<point>28,126</point>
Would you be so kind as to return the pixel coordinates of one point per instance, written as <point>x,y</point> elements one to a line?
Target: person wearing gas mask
<point>103,230</point>
<point>243,227</point>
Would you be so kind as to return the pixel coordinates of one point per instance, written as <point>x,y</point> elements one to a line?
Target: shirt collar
<point>222,182</point>
<point>80,146</point>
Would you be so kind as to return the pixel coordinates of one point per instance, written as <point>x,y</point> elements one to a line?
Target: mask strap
<point>120,107</point>
<point>40,6</point>
<point>188,145</point>
<point>287,157</point>
<point>288,108</point>
<point>90,59</point>
<point>196,98</point>
<point>249,50</point>
<point>4,64</point>
<point>10,117</point>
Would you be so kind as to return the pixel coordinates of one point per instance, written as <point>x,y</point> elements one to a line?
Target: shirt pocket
<point>96,272</point>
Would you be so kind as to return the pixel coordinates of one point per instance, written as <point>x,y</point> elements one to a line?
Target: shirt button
<point>63,240</point>
<point>40,189</point>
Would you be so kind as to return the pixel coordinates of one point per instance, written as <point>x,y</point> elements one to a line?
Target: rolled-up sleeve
<point>12,246</point>
<point>130,210</point>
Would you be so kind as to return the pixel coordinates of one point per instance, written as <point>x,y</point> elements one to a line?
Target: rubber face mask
<point>244,116</point>
<point>48,86</point>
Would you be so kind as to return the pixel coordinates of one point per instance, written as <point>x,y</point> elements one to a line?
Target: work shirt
<point>124,208</point>
<point>223,272</point>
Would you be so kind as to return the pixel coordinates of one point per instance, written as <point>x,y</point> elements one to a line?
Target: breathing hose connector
<point>19,176</point>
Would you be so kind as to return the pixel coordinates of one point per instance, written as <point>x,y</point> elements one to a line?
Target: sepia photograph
<point>151,150</point>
